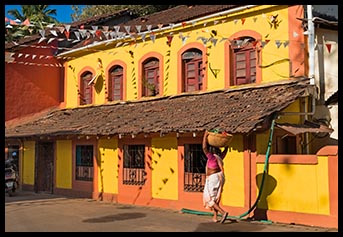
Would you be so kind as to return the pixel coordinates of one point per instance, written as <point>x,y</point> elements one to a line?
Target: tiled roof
<point>163,18</point>
<point>175,15</point>
<point>237,110</point>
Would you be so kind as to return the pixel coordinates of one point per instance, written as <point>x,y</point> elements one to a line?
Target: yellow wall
<point>108,166</point>
<point>297,188</point>
<point>28,163</point>
<point>255,18</point>
<point>233,190</point>
<point>64,164</point>
<point>164,168</point>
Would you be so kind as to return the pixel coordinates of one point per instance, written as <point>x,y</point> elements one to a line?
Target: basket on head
<point>219,139</point>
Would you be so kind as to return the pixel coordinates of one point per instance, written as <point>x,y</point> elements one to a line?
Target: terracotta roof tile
<point>237,110</point>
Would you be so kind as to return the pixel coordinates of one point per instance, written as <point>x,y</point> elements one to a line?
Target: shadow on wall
<point>260,212</point>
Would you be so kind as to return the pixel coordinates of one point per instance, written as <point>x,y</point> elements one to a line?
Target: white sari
<point>213,188</point>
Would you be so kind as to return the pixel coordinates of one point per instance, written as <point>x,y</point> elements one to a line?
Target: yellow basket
<point>219,139</point>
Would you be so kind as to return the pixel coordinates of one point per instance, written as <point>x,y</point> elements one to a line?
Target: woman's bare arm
<point>204,142</point>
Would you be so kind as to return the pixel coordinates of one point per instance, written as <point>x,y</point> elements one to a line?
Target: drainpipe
<point>162,29</point>
<point>311,44</point>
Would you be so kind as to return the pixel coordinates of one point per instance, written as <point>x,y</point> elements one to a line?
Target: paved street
<point>31,212</point>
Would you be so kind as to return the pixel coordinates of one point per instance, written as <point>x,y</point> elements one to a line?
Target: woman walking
<point>214,179</point>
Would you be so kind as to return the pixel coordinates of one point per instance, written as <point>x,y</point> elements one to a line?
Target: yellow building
<point>138,97</point>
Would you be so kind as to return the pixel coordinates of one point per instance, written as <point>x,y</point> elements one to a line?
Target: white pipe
<point>163,28</point>
<point>311,44</point>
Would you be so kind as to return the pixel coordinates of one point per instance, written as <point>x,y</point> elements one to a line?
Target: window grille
<point>195,168</point>
<point>134,165</point>
<point>84,163</point>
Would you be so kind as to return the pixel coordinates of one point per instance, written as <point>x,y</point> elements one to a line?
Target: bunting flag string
<point>65,29</point>
<point>65,32</point>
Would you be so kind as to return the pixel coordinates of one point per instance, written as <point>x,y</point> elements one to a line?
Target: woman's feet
<point>224,217</point>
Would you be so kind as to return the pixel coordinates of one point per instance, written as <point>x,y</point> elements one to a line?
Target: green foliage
<point>38,15</point>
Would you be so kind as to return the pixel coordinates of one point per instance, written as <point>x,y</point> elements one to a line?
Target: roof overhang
<point>307,127</point>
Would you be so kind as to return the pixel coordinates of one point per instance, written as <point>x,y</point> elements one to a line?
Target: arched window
<point>86,89</point>
<point>192,71</point>
<point>244,58</point>
<point>151,77</point>
<point>115,90</point>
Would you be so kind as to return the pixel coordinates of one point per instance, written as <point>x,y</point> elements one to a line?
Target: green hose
<point>184,210</point>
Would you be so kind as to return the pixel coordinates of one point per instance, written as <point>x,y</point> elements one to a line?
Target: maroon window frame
<point>151,77</point>
<point>86,91</point>
<point>116,83</point>
<point>192,70</point>
<point>244,64</point>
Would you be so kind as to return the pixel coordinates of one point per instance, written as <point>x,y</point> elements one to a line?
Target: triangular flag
<point>328,46</point>
<point>184,24</point>
<point>50,40</point>
<point>214,41</point>
<point>67,27</point>
<point>42,33</point>
<point>116,28</point>
<point>94,28</point>
<point>160,26</point>
<point>285,44</point>
<point>295,34</point>
<point>53,32</point>
<point>98,33</point>
<point>243,20</point>
<point>105,28</point>
<point>41,39</point>
<point>67,33</point>
<point>170,38</point>
<point>26,22</point>
<point>83,33</point>
<point>143,37</point>
<point>153,37</point>
<point>12,22</point>
<point>278,43</point>
<point>148,27</point>
<point>138,28</point>
<point>127,28</point>
<point>77,34</point>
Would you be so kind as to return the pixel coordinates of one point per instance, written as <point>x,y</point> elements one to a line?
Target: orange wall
<point>31,88</point>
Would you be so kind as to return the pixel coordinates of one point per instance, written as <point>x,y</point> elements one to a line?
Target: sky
<point>63,12</point>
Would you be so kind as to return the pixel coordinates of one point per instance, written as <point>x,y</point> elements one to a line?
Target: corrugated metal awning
<point>308,126</point>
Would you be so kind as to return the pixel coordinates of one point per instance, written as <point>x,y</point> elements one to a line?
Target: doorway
<point>44,167</point>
